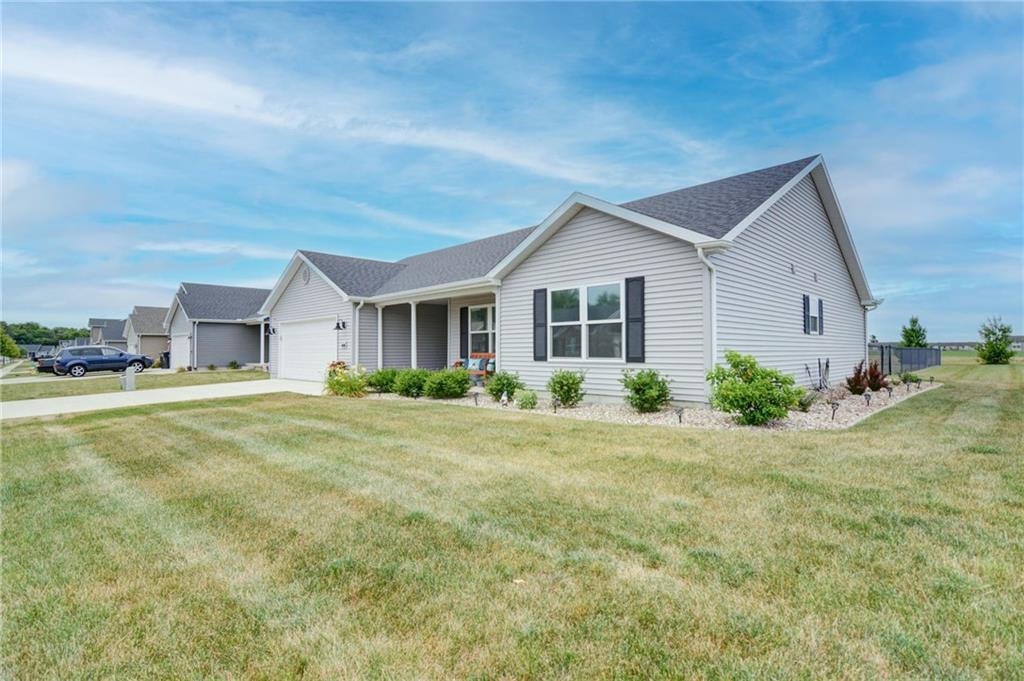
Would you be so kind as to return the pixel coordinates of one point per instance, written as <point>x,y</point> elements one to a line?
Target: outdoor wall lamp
<point>340,325</point>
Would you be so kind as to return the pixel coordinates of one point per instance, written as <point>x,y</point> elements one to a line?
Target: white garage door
<point>306,348</point>
<point>180,350</point>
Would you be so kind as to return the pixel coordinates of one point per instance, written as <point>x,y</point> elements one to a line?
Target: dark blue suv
<point>81,360</point>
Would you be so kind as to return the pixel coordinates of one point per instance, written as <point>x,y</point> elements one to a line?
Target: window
<point>111,352</point>
<point>586,321</point>
<point>481,329</point>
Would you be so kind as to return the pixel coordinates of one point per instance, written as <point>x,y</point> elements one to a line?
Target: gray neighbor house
<point>762,263</point>
<point>144,331</point>
<point>210,324</point>
<point>108,332</point>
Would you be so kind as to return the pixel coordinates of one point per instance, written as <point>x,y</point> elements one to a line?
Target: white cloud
<point>18,263</point>
<point>214,248</point>
<point>29,199</point>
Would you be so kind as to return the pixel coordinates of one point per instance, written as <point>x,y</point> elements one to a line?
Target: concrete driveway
<point>52,406</point>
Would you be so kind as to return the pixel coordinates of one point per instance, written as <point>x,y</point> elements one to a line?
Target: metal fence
<point>896,360</point>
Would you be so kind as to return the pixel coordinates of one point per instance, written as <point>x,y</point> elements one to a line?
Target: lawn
<point>67,386</point>
<point>26,368</point>
<point>284,536</point>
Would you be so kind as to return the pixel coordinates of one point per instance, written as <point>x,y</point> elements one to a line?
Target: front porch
<point>431,333</point>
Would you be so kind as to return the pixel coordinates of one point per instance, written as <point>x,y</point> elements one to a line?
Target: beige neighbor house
<point>144,331</point>
<point>763,263</point>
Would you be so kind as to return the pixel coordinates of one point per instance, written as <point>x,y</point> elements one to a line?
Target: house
<point>30,350</point>
<point>107,332</point>
<point>212,324</point>
<point>144,331</point>
<point>763,263</point>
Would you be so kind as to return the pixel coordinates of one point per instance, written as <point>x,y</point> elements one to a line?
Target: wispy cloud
<point>214,248</point>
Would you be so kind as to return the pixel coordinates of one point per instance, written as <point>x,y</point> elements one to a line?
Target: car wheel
<point>137,366</point>
<point>77,371</point>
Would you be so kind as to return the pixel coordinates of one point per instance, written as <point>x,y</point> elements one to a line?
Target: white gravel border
<point>852,410</point>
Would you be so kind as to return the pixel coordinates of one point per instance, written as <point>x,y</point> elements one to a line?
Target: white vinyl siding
<point>367,335</point>
<point>397,338</point>
<point>312,300</point>
<point>762,280</point>
<point>597,248</point>
<point>222,343</point>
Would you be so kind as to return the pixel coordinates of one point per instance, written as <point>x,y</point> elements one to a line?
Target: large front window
<point>586,322</point>
<point>481,328</point>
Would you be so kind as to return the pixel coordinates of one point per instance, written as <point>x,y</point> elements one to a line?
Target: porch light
<point>340,325</point>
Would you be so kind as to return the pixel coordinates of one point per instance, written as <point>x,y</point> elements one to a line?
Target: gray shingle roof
<point>212,301</point>
<point>711,209</point>
<point>113,329</point>
<point>148,320</point>
<point>716,207</point>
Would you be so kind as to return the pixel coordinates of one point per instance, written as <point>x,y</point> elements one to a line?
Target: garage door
<point>180,350</point>
<point>306,348</point>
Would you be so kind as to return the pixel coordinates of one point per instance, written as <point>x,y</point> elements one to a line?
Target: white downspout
<point>713,304</point>
<point>355,334</point>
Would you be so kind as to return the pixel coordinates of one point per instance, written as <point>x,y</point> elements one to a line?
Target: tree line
<point>33,333</point>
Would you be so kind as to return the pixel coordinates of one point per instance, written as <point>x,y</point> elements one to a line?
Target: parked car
<point>44,364</point>
<point>77,362</point>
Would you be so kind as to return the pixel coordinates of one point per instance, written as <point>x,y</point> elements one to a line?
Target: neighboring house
<point>108,332</point>
<point>75,342</point>
<point>212,324</point>
<point>762,263</point>
<point>144,331</point>
<point>30,350</point>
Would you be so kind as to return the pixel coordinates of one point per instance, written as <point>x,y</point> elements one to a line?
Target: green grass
<point>68,386</point>
<point>26,368</point>
<point>284,536</point>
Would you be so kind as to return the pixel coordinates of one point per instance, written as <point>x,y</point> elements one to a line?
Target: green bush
<point>211,367</point>
<point>409,382</point>
<point>234,365</point>
<point>447,384</point>
<point>527,399</point>
<point>908,377</point>
<point>806,399</point>
<point>180,370</point>
<point>648,390</point>
<point>567,387</point>
<point>383,380</point>
<point>995,342</point>
<point>346,381</point>
<point>754,394</point>
<point>502,382</point>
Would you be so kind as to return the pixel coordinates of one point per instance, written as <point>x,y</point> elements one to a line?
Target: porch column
<point>380,336</point>
<point>497,330</point>
<point>412,319</point>
<point>263,356</point>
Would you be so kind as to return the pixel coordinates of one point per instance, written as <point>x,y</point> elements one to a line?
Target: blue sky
<point>144,145</point>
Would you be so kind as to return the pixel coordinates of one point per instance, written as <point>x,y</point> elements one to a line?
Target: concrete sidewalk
<point>52,406</point>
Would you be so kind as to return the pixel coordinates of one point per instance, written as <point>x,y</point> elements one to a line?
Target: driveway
<point>53,406</point>
<point>97,374</point>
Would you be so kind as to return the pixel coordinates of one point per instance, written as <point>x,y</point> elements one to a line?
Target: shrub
<point>648,390</point>
<point>502,382</point>
<point>755,394</point>
<point>876,378</point>
<point>346,381</point>
<point>567,387</point>
<point>914,335</point>
<point>211,367</point>
<point>383,380</point>
<point>908,377</point>
<point>180,370</point>
<point>157,364</point>
<point>447,384</point>
<point>858,382</point>
<point>234,365</point>
<point>409,382</point>
<point>995,342</point>
<point>527,399</point>
<point>806,400</point>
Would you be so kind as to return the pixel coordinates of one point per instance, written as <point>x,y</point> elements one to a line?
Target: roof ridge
<point>351,257</point>
<point>466,243</point>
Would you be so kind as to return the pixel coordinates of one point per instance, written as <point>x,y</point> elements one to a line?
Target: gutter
<point>713,304</point>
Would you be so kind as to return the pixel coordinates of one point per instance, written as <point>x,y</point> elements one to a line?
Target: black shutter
<point>821,317</point>
<point>464,332</point>
<point>807,314</point>
<point>540,325</point>
<point>635,319</point>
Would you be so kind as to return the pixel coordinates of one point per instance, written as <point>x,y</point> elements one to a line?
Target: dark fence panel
<point>896,360</point>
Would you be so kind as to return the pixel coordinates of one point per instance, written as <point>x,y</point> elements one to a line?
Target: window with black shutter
<point>540,325</point>
<point>635,319</point>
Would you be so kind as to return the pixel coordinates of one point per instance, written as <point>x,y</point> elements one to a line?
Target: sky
<point>149,144</point>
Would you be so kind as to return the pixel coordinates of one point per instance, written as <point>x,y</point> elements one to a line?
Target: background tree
<point>995,342</point>
<point>914,335</point>
<point>874,339</point>
<point>8,348</point>
<point>36,333</point>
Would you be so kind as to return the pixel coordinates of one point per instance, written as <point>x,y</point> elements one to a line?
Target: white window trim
<point>492,336</point>
<point>812,314</point>
<point>583,323</point>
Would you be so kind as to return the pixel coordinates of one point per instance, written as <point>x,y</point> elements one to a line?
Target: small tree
<point>874,340</point>
<point>995,342</point>
<point>8,348</point>
<point>914,335</point>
